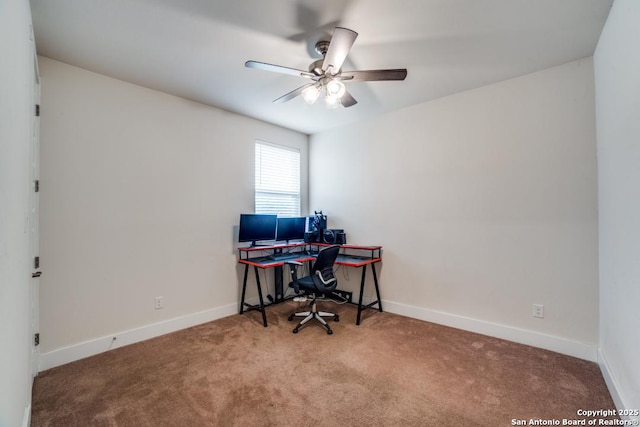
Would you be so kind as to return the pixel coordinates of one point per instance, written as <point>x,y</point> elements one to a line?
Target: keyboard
<point>280,257</point>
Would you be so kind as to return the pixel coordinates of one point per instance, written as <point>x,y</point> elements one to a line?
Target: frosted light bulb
<point>311,94</point>
<point>335,88</point>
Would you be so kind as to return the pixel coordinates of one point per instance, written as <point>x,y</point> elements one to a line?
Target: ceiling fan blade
<point>278,69</point>
<point>373,75</point>
<point>339,47</point>
<point>289,96</point>
<point>347,100</point>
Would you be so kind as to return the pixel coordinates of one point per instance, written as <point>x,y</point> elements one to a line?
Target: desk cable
<point>266,280</point>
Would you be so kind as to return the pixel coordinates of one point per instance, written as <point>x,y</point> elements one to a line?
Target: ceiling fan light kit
<point>333,91</point>
<point>327,73</point>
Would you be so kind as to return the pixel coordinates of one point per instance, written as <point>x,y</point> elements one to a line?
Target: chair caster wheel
<point>336,318</point>
<point>329,332</point>
<point>290,317</point>
<point>295,330</point>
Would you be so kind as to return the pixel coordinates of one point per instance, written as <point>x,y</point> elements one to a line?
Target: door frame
<point>34,221</point>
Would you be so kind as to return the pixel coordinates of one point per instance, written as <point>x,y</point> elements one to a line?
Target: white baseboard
<point>509,333</point>
<point>609,378</point>
<point>612,385</point>
<point>81,350</point>
<point>26,418</point>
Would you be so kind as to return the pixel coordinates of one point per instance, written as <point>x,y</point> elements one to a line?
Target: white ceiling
<point>196,49</point>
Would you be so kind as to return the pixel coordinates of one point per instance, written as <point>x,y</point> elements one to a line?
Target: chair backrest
<point>326,257</point>
<point>322,270</point>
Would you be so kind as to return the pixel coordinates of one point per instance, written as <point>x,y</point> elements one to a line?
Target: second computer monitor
<point>290,228</point>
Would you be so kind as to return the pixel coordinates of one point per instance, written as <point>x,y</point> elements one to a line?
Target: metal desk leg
<point>264,316</point>
<point>375,282</point>
<point>364,271</point>
<point>244,287</point>
<point>244,291</point>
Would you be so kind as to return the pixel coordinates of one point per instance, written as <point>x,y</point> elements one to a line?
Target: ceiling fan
<point>326,73</point>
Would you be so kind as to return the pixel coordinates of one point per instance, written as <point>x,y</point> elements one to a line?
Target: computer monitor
<point>291,228</point>
<point>256,227</point>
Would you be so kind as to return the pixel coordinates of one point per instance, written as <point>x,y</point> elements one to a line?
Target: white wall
<point>17,74</point>
<point>485,203</point>
<point>617,67</point>
<point>141,195</point>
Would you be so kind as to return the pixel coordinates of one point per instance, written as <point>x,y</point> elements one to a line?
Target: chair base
<point>314,314</point>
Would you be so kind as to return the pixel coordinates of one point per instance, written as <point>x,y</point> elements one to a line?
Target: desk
<point>299,252</point>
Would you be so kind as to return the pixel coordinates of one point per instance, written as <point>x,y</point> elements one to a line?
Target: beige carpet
<point>389,371</point>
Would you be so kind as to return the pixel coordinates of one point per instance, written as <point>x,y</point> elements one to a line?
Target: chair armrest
<point>325,280</point>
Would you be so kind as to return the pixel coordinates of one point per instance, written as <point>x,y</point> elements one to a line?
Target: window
<point>277,180</point>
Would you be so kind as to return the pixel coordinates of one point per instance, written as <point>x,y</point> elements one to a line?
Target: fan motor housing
<point>316,67</point>
<point>322,46</point>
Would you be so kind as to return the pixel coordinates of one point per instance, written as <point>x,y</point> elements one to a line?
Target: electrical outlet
<point>159,303</point>
<point>538,310</point>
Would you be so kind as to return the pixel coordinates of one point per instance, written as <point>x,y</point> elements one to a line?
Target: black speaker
<point>341,238</point>
<point>330,235</point>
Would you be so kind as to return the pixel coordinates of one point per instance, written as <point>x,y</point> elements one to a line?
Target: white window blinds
<point>277,180</point>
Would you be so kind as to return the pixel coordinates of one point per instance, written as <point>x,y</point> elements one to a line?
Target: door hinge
<point>37,110</point>
<point>36,263</point>
<point>36,339</point>
<point>36,185</point>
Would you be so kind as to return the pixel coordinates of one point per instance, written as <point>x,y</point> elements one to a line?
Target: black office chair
<point>321,280</point>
